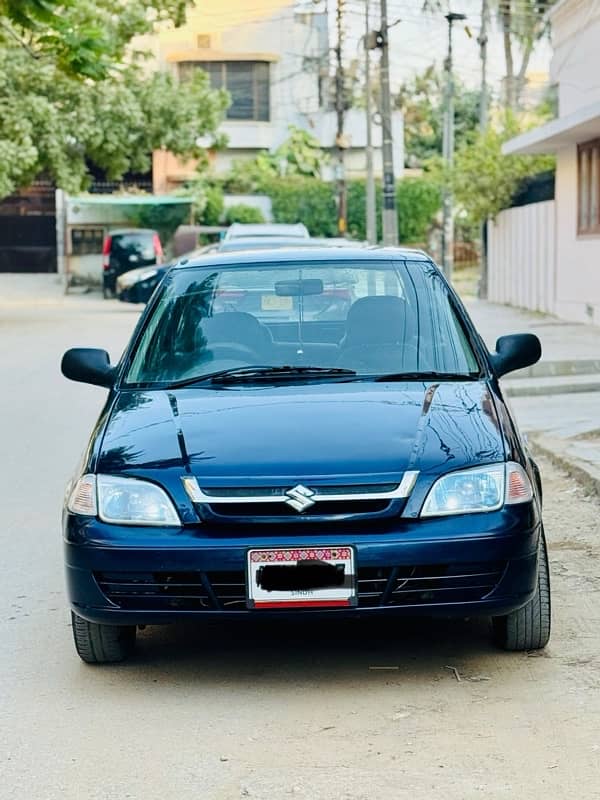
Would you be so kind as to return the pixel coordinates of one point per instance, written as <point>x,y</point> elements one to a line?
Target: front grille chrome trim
<point>400,492</point>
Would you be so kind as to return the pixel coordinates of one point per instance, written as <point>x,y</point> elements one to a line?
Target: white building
<point>558,244</point>
<point>274,58</point>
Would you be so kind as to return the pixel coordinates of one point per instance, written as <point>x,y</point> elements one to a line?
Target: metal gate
<point>28,230</point>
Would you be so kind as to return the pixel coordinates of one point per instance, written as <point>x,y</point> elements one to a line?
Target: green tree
<point>484,180</point>
<point>85,38</point>
<point>421,100</point>
<point>51,123</point>
<point>299,154</point>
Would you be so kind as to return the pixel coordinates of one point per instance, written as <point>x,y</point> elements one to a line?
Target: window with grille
<point>246,81</point>
<point>588,187</point>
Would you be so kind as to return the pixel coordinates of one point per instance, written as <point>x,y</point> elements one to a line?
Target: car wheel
<point>102,644</point>
<point>528,628</point>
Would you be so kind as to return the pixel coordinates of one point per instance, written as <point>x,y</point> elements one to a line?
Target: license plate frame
<point>341,595</point>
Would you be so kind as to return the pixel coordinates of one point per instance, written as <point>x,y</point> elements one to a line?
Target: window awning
<point>201,54</point>
<point>580,126</point>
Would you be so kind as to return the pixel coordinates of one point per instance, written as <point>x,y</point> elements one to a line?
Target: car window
<point>374,318</point>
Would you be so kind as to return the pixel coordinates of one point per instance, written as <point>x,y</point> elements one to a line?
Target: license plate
<point>273,302</point>
<point>315,577</point>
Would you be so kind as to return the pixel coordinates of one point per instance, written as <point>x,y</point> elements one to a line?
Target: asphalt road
<point>270,711</point>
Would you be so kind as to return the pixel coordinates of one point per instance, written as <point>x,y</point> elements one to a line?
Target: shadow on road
<point>282,650</point>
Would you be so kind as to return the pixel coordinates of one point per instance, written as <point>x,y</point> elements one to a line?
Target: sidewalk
<point>557,401</point>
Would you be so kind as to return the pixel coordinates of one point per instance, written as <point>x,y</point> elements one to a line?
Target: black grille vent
<point>429,583</point>
<point>226,591</point>
<point>324,508</point>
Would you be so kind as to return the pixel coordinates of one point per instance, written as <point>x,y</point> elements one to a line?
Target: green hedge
<point>307,200</point>
<point>243,213</point>
<point>313,202</point>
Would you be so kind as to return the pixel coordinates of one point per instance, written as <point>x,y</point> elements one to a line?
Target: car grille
<point>269,503</point>
<point>171,591</point>
<point>427,584</point>
<point>226,590</point>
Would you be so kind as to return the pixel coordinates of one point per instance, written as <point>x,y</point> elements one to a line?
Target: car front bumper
<point>480,564</point>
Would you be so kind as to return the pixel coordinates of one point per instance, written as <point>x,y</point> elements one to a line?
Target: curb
<point>514,390</point>
<point>556,451</point>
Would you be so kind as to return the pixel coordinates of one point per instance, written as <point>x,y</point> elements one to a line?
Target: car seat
<point>381,336</point>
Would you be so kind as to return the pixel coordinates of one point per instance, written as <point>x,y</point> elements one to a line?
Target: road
<point>269,712</point>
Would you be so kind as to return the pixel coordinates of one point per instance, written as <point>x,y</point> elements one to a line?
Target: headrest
<point>376,320</point>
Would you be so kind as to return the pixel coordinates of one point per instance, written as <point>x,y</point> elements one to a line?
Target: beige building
<point>562,241</point>
<point>274,59</point>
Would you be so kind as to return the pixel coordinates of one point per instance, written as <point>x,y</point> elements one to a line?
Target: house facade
<point>571,233</point>
<point>274,58</point>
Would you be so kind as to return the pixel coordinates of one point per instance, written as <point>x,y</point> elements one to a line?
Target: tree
<point>421,100</point>
<point>299,154</point>
<point>54,123</point>
<point>484,180</point>
<point>523,24</point>
<point>86,38</point>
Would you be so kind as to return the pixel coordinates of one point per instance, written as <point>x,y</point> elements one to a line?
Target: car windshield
<point>370,319</point>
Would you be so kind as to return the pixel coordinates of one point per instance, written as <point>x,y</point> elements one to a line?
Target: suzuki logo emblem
<point>300,498</point>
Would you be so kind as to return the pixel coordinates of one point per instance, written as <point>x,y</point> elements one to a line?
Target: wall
<point>522,258</point>
<point>575,64</point>
<point>577,257</point>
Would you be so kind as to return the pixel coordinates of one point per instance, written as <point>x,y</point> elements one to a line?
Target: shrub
<point>307,200</point>
<point>243,213</point>
<point>214,208</point>
<point>417,200</point>
<point>162,218</point>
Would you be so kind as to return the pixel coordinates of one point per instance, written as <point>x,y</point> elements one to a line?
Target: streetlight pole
<point>448,153</point>
<point>389,216</point>
<point>371,218</point>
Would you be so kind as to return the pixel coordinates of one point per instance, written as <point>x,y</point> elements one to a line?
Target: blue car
<point>307,457</point>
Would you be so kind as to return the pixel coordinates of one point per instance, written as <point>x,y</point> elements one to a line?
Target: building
<point>563,238</point>
<point>274,58</point>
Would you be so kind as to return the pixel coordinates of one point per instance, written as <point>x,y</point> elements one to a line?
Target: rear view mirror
<point>299,288</point>
<point>516,352</point>
<point>88,365</point>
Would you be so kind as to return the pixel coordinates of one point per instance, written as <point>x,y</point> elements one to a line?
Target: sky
<point>421,38</point>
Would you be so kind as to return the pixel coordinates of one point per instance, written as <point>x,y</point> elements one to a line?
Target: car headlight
<point>478,489</point>
<point>126,501</point>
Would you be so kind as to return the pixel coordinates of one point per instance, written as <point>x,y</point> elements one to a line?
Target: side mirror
<point>516,352</point>
<point>88,365</point>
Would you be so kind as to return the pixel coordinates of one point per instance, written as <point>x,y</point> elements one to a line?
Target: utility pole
<point>371,217</point>
<point>339,139</point>
<point>482,40</point>
<point>448,153</point>
<point>389,216</point>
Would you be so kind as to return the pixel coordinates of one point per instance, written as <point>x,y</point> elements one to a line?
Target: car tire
<point>528,628</point>
<point>102,644</point>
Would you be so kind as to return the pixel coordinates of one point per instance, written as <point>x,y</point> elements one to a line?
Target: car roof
<point>267,242</point>
<point>239,229</point>
<point>304,254</point>
<point>129,231</point>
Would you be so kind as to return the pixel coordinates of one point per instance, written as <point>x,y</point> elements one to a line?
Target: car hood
<point>356,431</point>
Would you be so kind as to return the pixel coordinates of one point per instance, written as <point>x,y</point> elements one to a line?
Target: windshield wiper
<point>429,376</point>
<point>242,374</point>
